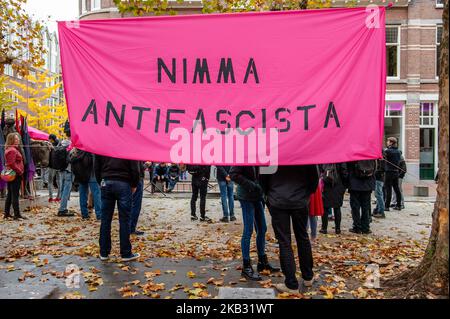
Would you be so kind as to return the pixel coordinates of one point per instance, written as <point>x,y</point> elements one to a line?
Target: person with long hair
<point>14,161</point>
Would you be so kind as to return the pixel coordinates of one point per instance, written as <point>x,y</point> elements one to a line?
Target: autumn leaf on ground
<point>127,292</point>
<point>191,274</point>
<point>73,295</point>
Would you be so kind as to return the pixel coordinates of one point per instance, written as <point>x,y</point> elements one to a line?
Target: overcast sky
<point>53,10</point>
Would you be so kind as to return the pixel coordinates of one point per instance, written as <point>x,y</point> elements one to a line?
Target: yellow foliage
<point>42,116</point>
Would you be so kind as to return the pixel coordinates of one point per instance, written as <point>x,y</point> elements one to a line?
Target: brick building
<point>413,31</point>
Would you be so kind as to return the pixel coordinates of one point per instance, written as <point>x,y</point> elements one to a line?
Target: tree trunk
<point>430,278</point>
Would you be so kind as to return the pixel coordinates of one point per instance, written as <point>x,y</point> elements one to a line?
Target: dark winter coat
<point>333,193</point>
<point>117,169</point>
<point>393,156</point>
<point>200,174</point>
<point>222,172</point>
<point>247,180</point>
<point>359,184</point>
<point>290,187</point>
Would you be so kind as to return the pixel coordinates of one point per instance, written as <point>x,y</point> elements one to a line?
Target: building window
<point>393,121</point>
<point>83,6</point>
<point>439,3</point>
<point>392,52</point>
<point>95,4</point>
<point>427,114</point>
<point>438,49</point>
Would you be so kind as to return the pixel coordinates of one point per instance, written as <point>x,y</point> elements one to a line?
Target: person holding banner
<point>118,179</point>
<point>200,177</point>
<point>288,193</point>
<point>250,195</point>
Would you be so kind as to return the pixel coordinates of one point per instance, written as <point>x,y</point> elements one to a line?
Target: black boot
<point>248,272</point>
<point>263,264</point>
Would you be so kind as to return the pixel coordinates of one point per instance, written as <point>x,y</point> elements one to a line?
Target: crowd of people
<point>293,195</point>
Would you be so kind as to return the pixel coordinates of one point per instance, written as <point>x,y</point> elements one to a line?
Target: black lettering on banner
<point>283,120</point>
<point>251,69</point>
<point>201,69</point>
<point>158,115</point>
<point>171,75</point>
<point>184,70</point>
<point>218,114</point>
<point>305,115</point>
<point>331,113</point>
<point>264,119</point>
<point>226,70</point>
<point>238,119</point>
<point>200,116</point>
<point>169,120</point>
<point>92,109</point>
<point>141,111</point>
<point>110,109</point>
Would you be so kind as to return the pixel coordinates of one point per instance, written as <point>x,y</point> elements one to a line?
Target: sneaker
<point>206,219</point>
<point>323,231</point>
<point>354,231</point>
<point>380,215</point>
<point>138,233</point>
<point>308,283</point>
<point>397,208</point>
<point>131,258</point>
<point>338,231</point>
<point>283,288</point>
<point>20,217</point>
<point>194,217</point>
<point>104,258</point>
<point>224,219</point>
<point>65,213</point>
<point>232,219</point>
<point>367,232</point>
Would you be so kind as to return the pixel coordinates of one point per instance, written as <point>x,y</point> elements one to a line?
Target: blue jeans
<point>312,224</point>
<point>112,192</point>
<point>226,193</point>
<point>66,179</point>
<point>95,190</point>
<point>379,196</point>
<point>136,204</point>
<point>253,214</point>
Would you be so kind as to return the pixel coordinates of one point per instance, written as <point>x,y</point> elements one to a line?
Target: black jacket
<point>392,156</point>
<point>291,186</point>
<point>222,172</point>
<point>402,165</point>
<point>333,193</point>
<point>200,173</point>
<point>173,171</point>
<point>247,179</point>
<point>117,169</point>
<point>359,184</point>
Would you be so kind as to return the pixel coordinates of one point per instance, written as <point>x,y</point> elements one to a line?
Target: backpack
<point>365,169</point>
<point>58,158</point>
<point>82,165</point>
<point>329,175</point>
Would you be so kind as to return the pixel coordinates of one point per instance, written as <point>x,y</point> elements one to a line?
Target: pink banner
<point>295,87</point>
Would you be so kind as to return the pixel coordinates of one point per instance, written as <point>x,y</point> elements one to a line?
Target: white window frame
<point>83,6</point>
<point>94,6</point>
<point>398,51</point>
<point>402,117</point>
<point>439,5</point>
<point>435,125</point>
<point>438,43</point>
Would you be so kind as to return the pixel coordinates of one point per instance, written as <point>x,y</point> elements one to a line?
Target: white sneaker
<point>104,258</point>
<point>308,283</point>
<point>284,288</point>
<point>132,257</point>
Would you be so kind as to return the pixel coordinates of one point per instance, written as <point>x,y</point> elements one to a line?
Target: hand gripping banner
<point>280,88</point>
